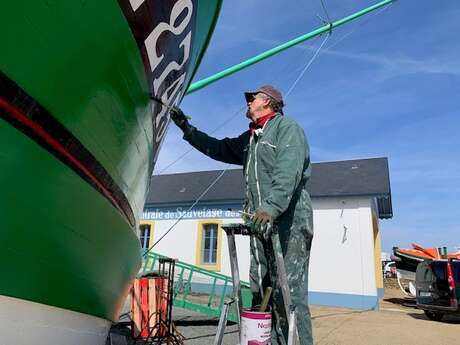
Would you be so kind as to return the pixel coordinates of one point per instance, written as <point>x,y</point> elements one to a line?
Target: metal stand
<point>165,331</point>
<point>240,229</point>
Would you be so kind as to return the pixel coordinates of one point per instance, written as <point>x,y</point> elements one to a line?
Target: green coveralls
<point>276,168</point>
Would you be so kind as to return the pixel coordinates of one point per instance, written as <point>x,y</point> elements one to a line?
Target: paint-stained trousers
<point>296,251</point>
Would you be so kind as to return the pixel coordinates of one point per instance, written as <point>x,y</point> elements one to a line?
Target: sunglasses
<point>257,95</point>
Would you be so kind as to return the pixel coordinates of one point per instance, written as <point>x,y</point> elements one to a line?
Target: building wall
<point>183,241</point>
<point>342,265</point>
<point>377,253</point>
<point>342,270</point>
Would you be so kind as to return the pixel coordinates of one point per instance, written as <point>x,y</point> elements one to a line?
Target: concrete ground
<point>397,322</point>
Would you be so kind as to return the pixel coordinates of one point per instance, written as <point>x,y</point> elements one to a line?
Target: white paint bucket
<point>255,328</point>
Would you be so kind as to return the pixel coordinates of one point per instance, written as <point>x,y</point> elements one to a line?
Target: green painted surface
<point>62,243</point>
<point>79,60</point>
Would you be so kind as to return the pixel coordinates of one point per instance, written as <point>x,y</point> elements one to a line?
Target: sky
<point>386,85</point>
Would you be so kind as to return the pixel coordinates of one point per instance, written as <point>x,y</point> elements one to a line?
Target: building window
<point>208,249</point>
<point>209,254</point>
<point>146,234</point>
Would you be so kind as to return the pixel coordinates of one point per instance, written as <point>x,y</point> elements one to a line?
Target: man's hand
<point>179,118</point>
<point>261,218</point>
<point>261,222</point>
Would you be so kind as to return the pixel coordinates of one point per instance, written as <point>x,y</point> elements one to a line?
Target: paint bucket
<point>255,328</point>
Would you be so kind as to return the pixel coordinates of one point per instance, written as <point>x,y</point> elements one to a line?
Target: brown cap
<point>268,90</point>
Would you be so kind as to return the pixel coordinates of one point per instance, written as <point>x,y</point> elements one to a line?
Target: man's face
<point>257,106</point>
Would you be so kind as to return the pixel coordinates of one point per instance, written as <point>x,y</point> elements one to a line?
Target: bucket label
<point>255,328</point>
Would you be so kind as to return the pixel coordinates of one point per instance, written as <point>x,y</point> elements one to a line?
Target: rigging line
<point>190,208</point>
<point>307,66</point>
<point>358,26</point>
<point>230,118</point>
<point>366,20</point>
<point>325,11</point>
<point>287,70</point>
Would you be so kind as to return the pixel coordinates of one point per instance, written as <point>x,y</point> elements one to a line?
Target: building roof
<point>362,177</point>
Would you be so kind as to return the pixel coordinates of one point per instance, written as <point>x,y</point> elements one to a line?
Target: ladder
<point>198,289</point>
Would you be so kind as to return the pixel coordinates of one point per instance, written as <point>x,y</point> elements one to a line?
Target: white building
<point>349,198</point>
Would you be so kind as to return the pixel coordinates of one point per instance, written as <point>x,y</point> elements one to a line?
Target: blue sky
<point>384,85</point>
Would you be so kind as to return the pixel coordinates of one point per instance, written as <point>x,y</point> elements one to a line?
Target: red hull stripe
<point>88,167</point>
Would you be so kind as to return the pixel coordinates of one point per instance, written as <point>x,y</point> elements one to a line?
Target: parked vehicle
<point>438,287</point>
<point>389,269</point>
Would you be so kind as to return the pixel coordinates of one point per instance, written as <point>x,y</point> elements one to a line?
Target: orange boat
<point>407,259</point>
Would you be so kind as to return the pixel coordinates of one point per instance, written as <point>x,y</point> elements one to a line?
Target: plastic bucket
<point>255,328</point>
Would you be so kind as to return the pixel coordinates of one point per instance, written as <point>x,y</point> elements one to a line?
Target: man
<point>275,156</point>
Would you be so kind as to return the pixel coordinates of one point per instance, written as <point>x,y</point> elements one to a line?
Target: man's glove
<point>179,118</point>
<point>261,222</point>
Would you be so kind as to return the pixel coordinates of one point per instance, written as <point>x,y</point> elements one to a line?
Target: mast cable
<point>307,66</point>
<point>325,11</point>
<point>230,118</point>
<point>190,208</point>
<point>358,26</point>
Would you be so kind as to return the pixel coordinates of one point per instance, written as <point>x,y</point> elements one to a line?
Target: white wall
<point>181,242</point>
<point>342,256</point>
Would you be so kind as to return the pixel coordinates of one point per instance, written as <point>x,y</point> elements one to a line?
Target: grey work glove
<point>179,118</point>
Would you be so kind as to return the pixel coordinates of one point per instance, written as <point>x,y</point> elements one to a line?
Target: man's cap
<point>268,90</point>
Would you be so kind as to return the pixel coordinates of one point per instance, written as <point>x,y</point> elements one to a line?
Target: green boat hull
<point>79,139</point>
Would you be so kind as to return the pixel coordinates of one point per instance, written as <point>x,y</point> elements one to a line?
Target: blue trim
<point>342,300</point>
<point>206,288</point>
<point>361,302</point>
<point>380,292</point>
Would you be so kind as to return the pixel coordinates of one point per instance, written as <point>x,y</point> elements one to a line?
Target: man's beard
<point>248,113</point>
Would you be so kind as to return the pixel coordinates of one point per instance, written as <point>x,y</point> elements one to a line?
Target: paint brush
<point>242,212</point>
<point>267,294</point>
<point>156,99</point>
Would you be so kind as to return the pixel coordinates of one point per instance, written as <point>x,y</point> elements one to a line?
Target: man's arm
<point>228,150</point>
<point>288,169</point>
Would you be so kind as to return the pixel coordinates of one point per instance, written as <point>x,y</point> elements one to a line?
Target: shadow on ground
<point>405,302</point>
<point>341,313</point>
<point>447,319</point>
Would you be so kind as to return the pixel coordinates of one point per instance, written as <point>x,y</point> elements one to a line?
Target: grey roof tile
<point>362,177</point>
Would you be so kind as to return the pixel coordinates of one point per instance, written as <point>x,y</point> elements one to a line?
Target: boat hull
<point>79,136</point>
<point>63,244</point>
<point>406,262</point>
<point>24,323</point>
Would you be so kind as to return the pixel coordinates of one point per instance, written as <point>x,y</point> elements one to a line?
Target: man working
<point>275,158</point>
